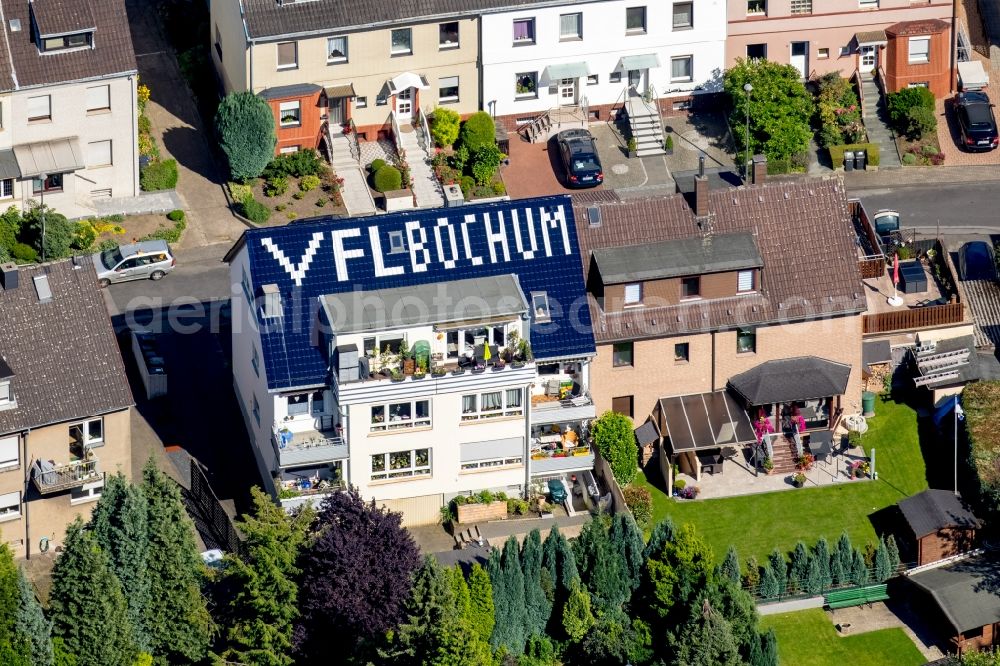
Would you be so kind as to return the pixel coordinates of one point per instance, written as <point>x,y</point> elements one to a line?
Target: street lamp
<point>748,88</point>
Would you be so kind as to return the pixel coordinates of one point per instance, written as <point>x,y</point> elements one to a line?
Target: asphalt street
<point>955,208</point>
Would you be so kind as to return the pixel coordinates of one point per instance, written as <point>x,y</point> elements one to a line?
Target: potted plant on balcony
<point>438,371</point>
<point>805,462</point>
<point>406,356</point>
<point>397,376</point>
<point>458,371</point>
<point>668,144</point>
<point>798,479</point>
<point>524,354</point>
<point>421,370</point>
<point>768,465</point>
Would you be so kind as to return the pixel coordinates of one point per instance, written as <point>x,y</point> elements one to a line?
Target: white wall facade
<point>604,42</point>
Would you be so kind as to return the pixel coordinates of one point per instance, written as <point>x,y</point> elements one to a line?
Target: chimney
<point>701,189</point>
<point>8,275</point>
<point>272,301</point>
<point>759,169</point>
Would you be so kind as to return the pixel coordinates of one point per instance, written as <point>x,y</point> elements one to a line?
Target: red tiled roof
<point>921,27</point>
<point>804,233</point>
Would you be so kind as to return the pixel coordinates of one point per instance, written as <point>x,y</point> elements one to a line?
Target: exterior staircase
<point>876,119</point>
<point>645,125</point>
<point>784,456</point>
<point>553,121</point>
<point>426,188</point>
<point>355,193</point>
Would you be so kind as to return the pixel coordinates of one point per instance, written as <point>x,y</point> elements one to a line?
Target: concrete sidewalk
<point>920,176</point>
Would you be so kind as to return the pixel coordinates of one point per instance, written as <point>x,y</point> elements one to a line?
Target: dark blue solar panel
<point>532,238</point>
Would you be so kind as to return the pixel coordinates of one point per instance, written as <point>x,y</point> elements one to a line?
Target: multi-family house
<point>743,308</point>
<point>416,357</point>
<point>909,40</point>
<point>67,104</point>
<point>64,402</point>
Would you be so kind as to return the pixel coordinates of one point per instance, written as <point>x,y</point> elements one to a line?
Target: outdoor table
<point>821,444</point>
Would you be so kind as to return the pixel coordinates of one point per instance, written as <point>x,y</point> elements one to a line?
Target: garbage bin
<point>849,160</point>
<point>868,404</point>
<point>860,158</point>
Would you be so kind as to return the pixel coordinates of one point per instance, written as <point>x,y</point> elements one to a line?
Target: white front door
<point>637,80</point>
<point>567,92</point>
<point>800,58</point>
<point>404,105</point>
<point>868,59</point>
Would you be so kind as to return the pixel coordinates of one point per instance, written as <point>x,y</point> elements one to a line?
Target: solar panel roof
<point>534,239</point>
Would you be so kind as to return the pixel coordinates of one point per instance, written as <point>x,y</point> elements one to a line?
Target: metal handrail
<point>68,475</point>
<point>533,128</point>
<point>354,146</point>
<point>396,135</point>
<point>861,87</point>
<point>424,132</point>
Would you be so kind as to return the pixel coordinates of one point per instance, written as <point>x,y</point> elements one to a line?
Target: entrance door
<point>567,92</point>
<point>404,105</point>
<point>868,59</point>
<point>337,113</point>
<point>800,58</point>
<point>637,80</point>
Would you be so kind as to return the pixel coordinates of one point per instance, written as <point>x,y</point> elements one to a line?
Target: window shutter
<point>9,451</point>
<point>38,107</point>
<point>744,281</point>
<point>10,500</point>
<point>98,153</point>
<point>98,97</point>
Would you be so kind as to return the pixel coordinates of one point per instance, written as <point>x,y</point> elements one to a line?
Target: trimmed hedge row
<point>837,153</point>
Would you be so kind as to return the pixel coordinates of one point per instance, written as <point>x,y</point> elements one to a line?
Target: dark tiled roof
<point>267,18</point>
<point>802,229</point>
<point>112,53</point>
<point>932,510</point>
<point>63,353</point>
<point>61,17</point>
<point>292,90</point>
<point>965,592</point>
<point>920,27</point>
<point>791,379</point>
<point>673,258</point>
<point>874,352</point>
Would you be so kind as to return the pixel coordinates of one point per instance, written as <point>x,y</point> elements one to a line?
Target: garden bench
<point>857,596</point>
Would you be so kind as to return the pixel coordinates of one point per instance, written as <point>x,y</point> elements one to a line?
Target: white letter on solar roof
<point>297,273</point>
<point>420,256</point>
<point>380,269</point>
<point>492,238</point>
<point>528,253</point>
<point>442,223</point>
<point>340,255</point>
<point>476,261</point>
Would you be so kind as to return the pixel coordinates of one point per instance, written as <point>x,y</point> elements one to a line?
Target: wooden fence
<point>913,319</point>
<point>871,267</point>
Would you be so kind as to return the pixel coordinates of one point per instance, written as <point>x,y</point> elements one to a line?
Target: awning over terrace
<point>704,421</point>
<point>871,38</point>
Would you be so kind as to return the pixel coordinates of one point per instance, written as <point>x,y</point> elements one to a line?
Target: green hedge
<point>255,211</point>
<point>837,153</point>
<point>388,179</point>
<point>159,176</point>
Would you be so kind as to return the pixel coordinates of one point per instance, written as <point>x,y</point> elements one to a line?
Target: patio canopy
<point>407,80</point>
<point>340,92</point>
<point>705,421</point>
<point>644,61</point>
<point>871,38</point>
<point>790,380</point>
<point>567,70</point>
<point>48,157</point>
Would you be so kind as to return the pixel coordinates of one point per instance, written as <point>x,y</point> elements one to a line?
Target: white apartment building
<point>537,57</point>
<point>420,357</point>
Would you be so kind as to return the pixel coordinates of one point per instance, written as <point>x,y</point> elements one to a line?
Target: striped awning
<point>339,92</point>
<point>871,38</point>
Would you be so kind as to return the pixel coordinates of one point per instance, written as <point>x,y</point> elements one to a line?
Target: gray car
<point>136,261</point>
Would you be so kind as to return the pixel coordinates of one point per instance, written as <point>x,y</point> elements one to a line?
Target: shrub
<point>240,192</point>
<point>291,215</point>
<point>175,215</point>
<point>444,126</point>
<point>909,159</point>
<point>298,196</point>
<point>920,121</point>
<point>460,157</point>
<point>298,164</point>
<point>499,188</point>
<point>84,235</point>
<point>837,153</point>
<point>478,131</point>
<point>517,506</point>
<point>376,165</point>
<point>679,484</point>
<point>467,183</point>
<point>59,232</point>
<point>145,126</point>
<point>24,253</point>
<point>245,126</point>
<point>107,244</point>
<point>898,104</point>
<point>276,186</point>
<point>148,147</point>
<point>640,503</point>
<point>485,162</point>
<point>387,178</point>
<point>255,211</point>
<point>279,208</point>
<point>615,440</point>
<point>159,176</point>
<point>308,183</point>
<point>930,150</point>
<point>321,202</point>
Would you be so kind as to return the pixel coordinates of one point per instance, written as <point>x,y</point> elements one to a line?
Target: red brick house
<point>938,525</point>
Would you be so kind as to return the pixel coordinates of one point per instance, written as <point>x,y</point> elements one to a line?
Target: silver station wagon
<point>136,261</point>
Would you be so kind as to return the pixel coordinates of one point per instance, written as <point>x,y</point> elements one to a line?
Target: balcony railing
<point>310,447</point>
<point>50,478</point>
<point>575,408</point>
<point>561,460</point>
<point>908,320</point>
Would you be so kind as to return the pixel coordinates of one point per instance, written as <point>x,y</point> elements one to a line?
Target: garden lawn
<point>808,638</point>
<point>757,524</point>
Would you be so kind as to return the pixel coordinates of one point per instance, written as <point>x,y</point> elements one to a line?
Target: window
<point>53,183</point>
<point>845,51</point>
<point>9,452</point>
<point>288,55</point>
<point>256,410</point>
<point>622,405</point>
<point>593,80</point>
<point>381,100</point>
<point>756,51</point>
<point>540,306</point>
<point>88,434</point>
<point>218,42</point>
<point>744,281</point>
<point>401,41</point>
<point>99,98</point>
<point>691,287</point>
<point>921,84</point>
<point>633,294</point>
<point>683,15</point>
<point>401,415</point>
<point>255,359</point>
<point>10,505</point>
<point>571,26</point>
<point>77,41</point>
<point>397,242</point>
<point>401,464</point>
<point>635,20</point>
<point>88,492</point>
<point>524,31</point>
<point>448,35</point>
<point>448,89</point>
<point>920,49</point>
<point>5,396</point>
<point>492,462</point>
<point>682,352</point>
<point>622,354</point>
<point>99,153</point>
<point>823,54</point>
<point>290,114</point>
<point>492,405</point>
<point>681,68</point>
<point>802,7</point>
<point>526,85</point>
<point>298,404</point>
<point>746,341</point>
<point>336,49</point>
<point>40,108</point>
<point>868,4</point>
<point>6,188</point>
<point>756,7</point>
<point>361,103</point>
<point>615,77</point>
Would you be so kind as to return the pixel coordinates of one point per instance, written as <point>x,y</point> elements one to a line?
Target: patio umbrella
<point>487,354</point>
<point>895,301</point>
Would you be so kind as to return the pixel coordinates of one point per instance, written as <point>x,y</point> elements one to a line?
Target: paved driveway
<point>535,169</point>
<point>950,137</point>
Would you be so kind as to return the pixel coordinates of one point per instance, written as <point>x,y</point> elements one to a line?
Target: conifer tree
<point>538,606</point>
<point>893,551</point>
<point>753,572</point>
<point>814,578</point>
<point>845,553</point>
<point>459,590</point>
<point>883,565</point>
<point>706,639</point>
<point>769,648</point>
<point>264,601</point>
<point>577,618</point>
<point>626,537</point>
<point>88,607</point>
<point>12,645</point>
<point>821,553</point>
<point>779,568</point>
<point>179,624</point>
<point>769,585</point>
<point>31,625</point>
<point>730,567</point>
<point>663,533</point>
<point>799,568</point>
<point>560,563</point>
<point>119,524</point>
<point>859,570</point>
<point>481,612</point>
<point>510,630</point>
<point>601,568</point>
<point>837,574</point>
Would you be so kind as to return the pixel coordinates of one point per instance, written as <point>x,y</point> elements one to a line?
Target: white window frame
<point>98,98</point>
<point>393,50</point>
<point>682,79</point>
<point>530,39</point>
<point>388,473</point>
<point>387,425</point>
<point>577,34</point>
<point>533,76</point>
<point>288,150</point>
<point>445,99</point>
<point>10,506</point>
<point>35,111</point>
<point>92,145</point>
<point>491,463</point>
<point>511,404</point>
<point>756,7</point>
<point>88,492</point>
<point>361,102</point>
<point>743,278</point>
<point>673,16</point>
<point>289,106</point>
<point>593,79</point>
<point>6,395</point>
<point>921,57</point>
<point>6,461</point>
<point>868,4</point>
<point>640,30</point>
<point>311,404</point>
<point>331,59</point>
<point>799,7</point>
<point>295,56</point>
<point>443,46</point>
<point>633,294</point>
<point>88,442</point>
<point>823,53</point>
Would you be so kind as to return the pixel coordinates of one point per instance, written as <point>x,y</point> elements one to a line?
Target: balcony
<point>552,461</point>
<point>571,409</point>
<point>309,447</point>
<point>51,478</point>
<point>447,378</point>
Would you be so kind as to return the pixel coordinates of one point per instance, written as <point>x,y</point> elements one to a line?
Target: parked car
<point>976,122</point>
<point>136,261</point>
<point>976,262</point>
<point>579,157</point>
<point>886,222</point>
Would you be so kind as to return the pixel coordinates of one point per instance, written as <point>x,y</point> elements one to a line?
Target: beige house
<point>64,402</point>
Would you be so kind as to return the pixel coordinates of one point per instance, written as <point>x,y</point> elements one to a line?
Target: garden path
<point>425,185</point>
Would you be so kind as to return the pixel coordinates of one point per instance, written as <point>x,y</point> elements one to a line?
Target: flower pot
<point>458,371</point>
<point>517,364</point>
<point>633,154</point>
<point>477,371</point>
<point>409,366</point>
<point>419,375</point>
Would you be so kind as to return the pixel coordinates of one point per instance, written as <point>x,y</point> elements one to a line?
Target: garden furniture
<point>821,445</point>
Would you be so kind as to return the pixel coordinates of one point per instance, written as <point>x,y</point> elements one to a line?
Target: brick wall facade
<point>943,544</point>
<point>305,134</point>
<point>935,73</point>
<point>975,643</point>
<point>482,513</point>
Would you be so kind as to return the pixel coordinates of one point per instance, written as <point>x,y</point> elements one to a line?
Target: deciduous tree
<point>245,126</point>
<point>12,645</point>
<point>613,436</point>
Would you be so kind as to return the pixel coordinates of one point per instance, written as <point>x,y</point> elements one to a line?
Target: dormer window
<point>633,294</point>
<point>61,26</point>
<point>6,397</point>
<point>540,306</point>
<point>65,42</point>
<point>691,287</point>
<point>745,281</point>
